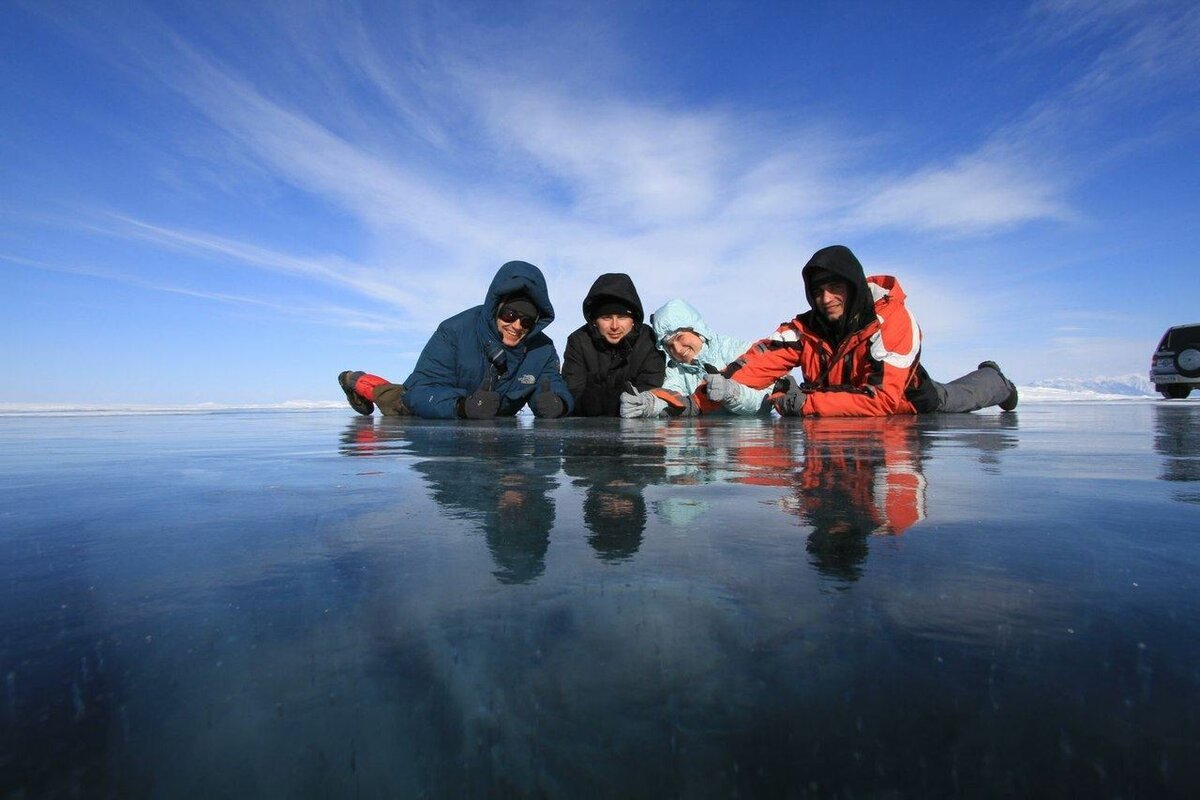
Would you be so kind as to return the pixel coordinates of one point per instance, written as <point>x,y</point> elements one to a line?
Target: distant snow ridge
<point>1131,385</point>
<point>50,409</point>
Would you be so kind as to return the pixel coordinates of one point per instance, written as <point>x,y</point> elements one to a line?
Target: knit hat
<point>611,305</point>
<point>820,277</point>
<point>520,304</point>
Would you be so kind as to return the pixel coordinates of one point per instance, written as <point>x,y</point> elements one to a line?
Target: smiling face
<point>614,327</point>
<point>685,346</point>
<point>513,327</point>
<point>829,299</point>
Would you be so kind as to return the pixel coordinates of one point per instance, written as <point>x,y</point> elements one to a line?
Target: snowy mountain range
<point>1131,385</point>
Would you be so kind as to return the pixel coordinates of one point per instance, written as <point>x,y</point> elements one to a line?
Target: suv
<point>1175,367</point>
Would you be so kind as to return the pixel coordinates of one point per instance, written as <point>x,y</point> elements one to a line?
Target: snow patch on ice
<point>1059,390</point>
<point>1048,394</point>
<point>53,409</point>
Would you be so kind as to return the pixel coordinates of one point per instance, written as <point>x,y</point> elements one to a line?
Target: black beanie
<point>820,277</point>
<point>521,305</point>
<point>611,305</point>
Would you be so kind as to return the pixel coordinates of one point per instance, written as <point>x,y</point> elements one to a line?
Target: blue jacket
<point>718,351</point>
<point>455,361</point>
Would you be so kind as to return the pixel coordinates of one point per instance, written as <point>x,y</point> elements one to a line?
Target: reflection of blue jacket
<point>455,361</point>
<point>718,351</point>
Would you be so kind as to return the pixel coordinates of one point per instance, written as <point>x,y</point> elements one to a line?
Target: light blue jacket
<point>718,351</point>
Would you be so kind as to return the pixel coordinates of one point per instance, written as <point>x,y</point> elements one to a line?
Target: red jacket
<point>862,375</point>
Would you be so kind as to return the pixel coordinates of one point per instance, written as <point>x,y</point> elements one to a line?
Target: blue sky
<point>231,203</point>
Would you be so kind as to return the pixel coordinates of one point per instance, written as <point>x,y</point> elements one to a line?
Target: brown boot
<point>359,403</point>
<point>390,399</point>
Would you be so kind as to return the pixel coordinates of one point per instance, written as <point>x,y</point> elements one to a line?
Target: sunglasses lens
<point>511,316</point>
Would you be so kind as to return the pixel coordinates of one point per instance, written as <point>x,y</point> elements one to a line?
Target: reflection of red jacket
<point>862,475</point>
<point>875,471</point>
<point>863,376</point>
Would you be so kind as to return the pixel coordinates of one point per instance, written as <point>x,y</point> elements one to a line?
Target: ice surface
<point>318,604</point>
<point>1050,392</point>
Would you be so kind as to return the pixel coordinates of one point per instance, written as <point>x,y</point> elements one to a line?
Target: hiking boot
<point>1010,402</point>
<point>359,403</point>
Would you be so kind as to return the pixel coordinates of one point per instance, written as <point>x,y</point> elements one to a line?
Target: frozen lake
<point>314,604</point>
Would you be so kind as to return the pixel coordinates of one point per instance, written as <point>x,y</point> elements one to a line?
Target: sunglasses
<point>510,316</point>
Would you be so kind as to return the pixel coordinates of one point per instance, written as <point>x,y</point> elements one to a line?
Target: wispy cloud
<point>1025,170</point>
<point>977,193</point>
<point>1126,54</point>
<point>321,314</point>
<point>330,269</point>
<point>472,157</point>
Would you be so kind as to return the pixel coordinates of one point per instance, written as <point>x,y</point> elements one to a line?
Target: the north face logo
<point>528,380</point>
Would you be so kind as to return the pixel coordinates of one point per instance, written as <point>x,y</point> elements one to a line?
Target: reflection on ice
<point>299,605</point>
<point>498,476</point>
<point>843,479</point>
<point>1177,439</point>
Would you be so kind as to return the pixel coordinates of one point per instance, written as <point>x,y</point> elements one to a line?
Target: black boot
<point>1010,402</point>
<point>359,403</point>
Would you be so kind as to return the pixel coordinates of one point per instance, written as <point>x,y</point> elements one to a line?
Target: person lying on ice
<point>484,362</point>
<point>613,348</point>
<point>693,384</point>
<point>859,350</point>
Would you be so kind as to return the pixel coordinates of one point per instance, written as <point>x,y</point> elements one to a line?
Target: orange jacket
<point>863,375</point>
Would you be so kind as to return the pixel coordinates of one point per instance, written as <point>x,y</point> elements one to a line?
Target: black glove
<point>482,404</point>
<point>789,397</point>
<point>546,403</point>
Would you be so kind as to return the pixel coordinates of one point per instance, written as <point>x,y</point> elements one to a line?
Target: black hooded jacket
<point>595,371</point>
<point>860,307</point>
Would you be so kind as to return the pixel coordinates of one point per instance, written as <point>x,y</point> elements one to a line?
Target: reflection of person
<point>507,491</point>
<point>859,349</point>
<point>615,516</point>
<point>484,362</point>
<point>693,383</point>
<point>855,482</point>
<point>988,435</point>
<point>614,472</point>
<point>613,348</point>
<point>847,479</point>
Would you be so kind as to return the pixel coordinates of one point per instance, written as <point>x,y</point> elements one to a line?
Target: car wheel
<point>1174,391</point>
<point>1188,362</point>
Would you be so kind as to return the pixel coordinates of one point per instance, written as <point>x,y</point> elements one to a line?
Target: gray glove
<point>789,397</point>
<point>641,404</point>
<point>721,389</point>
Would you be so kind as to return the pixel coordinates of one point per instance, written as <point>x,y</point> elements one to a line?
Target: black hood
<point>613,286</point>
<point>860,306</point>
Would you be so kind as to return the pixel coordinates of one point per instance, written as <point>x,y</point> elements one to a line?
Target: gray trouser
<point>390,399</point>
<point>979,389</point>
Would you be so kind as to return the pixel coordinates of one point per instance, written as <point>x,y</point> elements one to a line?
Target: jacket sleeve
<point>674,380</point>
<point>652,371</point>
<point>574,371</point>
<point>432,390</point>
<point>768,359</point>
<point>747,401</point>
